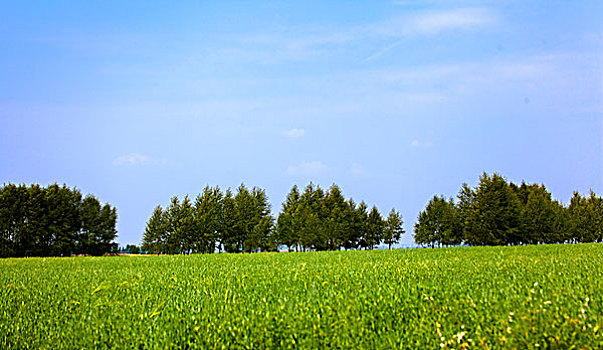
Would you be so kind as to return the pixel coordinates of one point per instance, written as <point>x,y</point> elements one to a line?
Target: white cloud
<point>417,144</point>
<point>435,22</point>
<point>131,159</point>
<point>431,22</point>
<point>307,168</point>
<point>357,169</point>
<point>294,133</point>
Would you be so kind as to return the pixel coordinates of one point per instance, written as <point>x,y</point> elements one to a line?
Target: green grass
<point>501,297</point>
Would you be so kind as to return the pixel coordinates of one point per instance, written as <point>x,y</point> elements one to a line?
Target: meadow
<point>525,297</point>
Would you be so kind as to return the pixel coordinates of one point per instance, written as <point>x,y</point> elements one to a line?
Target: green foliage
<point>312,220</point>
<point>155,234</point>
<point>53,221</point>
<point>526,297</point>
<point>439,223</point>
<point>374,228</point>
<point>586,218</point>
<point>500,213</point>
<point>288,225</point>
<point>494,218</point>
<point>240,223</point>
<point>319,220</point>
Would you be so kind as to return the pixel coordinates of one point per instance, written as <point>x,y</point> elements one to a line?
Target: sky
<point>394,101</point>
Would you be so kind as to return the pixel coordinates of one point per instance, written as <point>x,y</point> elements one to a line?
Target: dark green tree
<point>154,239</point>
<point>337,219</point>
<point>287,226</point>
<point>228,229</point>
<point>586,218</point>
<point>438,224</point>
<point>361,225</point>
<point>207,223</point>
<point>393,229</point>
<point>494,218</point>
<point>374,228</point>
<point>538,214</point>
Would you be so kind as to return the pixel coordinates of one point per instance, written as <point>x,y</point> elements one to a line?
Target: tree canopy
<point>54,221</point>
<point>497,212</point>
<point>310,220</point>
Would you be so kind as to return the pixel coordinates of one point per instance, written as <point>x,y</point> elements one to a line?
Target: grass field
<point>493,297</point>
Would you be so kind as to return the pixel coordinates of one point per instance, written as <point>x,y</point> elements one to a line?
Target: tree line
<point>497,212</point>
<point>53,221</point>
<point>238,222</point>
<point>242,222</point>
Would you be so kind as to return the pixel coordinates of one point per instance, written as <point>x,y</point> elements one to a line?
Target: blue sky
<point>395,101</point>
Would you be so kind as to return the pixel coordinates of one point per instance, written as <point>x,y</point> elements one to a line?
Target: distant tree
<point>92,229</point>
<point>586,218</point>
<point>207,223</point>
<point>314,219</point>
<point>538,213</point>
<point>287,226</point>
<point>319,213</point>
<point>182,224</point>
<point>38,221</point>
<point>464,206</point>
<point>438,224</point>
<point>355,225</point>
<point>309,218</point>
<point>494,217</point>
<point>374,228</point>
<point>154,238</point>
<point>129,249</point>
<point>253,223</point>
<point>393,229</point>
<point>228,229</point>
<point>262,235</point>
<point>361,225</point>
<point>337,219</point>
<point>13,201</point>
<point>108,232</point>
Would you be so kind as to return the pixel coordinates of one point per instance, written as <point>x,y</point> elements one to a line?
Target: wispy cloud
<point>439,21</point>
<point>294,133</point>
<point>357,169</point>
<point>135,159</point>
<point>307,168</point>
<point>420,144</point>
<point>430,22</point>
<point>310,42</point>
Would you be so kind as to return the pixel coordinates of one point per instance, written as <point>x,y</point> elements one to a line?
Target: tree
<point>91,232</point>
<point>438,224</point>
<point>374,228</point>
<point>464,206</point>
<point>393,229</point>
<point>538,217</point>
<point>287,226</point>
<point>355,225</point>
<point>228,224</point>
<point>156,231</point>
<point>13,201</point>
<point>361,225</point>
<point>337,218</point>
<point>108,232</point>
<point>262,237</point>
<point>586,218</point>
<point>308,212</point>
<point>38,221</point>
<point>207,212</point>
<point>494,217</point>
